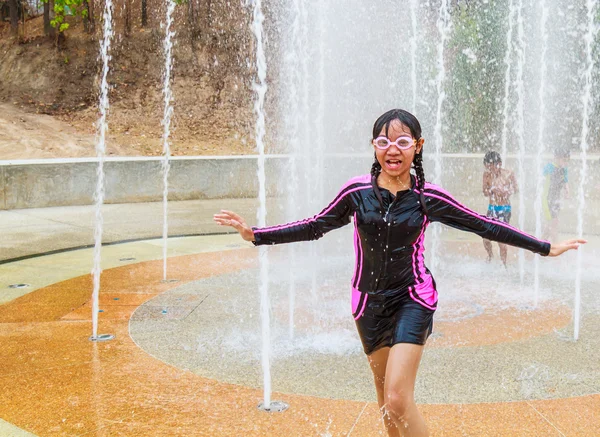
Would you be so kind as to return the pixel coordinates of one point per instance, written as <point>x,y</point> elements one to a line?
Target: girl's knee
<point>398,402</point>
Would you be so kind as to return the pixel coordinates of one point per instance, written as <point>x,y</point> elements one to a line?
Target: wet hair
<point>411,122</point>
<point>492,157</point>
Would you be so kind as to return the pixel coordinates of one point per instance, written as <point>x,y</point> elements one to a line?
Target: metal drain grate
<point>102,337</point>
<point>274,407</point>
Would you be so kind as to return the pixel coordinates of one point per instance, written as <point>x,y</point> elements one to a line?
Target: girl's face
<point>394,161</point>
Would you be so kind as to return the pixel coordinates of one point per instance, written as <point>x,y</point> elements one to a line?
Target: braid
<point>418,165</point>
<point>375,170</point>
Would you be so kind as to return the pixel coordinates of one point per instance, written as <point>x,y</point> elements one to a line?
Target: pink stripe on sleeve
<point>312,219</point>
<point>484,218</point>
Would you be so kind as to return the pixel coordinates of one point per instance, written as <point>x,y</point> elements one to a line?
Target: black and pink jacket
<point>389,234</point>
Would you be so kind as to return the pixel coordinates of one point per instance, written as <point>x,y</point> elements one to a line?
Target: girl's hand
<point>560,248</point>
<point>230,218</point>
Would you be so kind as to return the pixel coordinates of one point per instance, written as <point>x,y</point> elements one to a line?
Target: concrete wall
<point>45,183</point>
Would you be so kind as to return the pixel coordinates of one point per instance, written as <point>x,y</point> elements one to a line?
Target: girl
<point>393,294</point>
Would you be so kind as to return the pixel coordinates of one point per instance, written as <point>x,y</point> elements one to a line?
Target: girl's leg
<point>401,372</point>
<point>378,363</point>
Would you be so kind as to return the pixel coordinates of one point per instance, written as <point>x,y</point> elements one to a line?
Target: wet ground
<point>186,357</point>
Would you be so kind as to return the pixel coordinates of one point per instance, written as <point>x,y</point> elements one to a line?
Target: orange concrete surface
<point>55,382</point>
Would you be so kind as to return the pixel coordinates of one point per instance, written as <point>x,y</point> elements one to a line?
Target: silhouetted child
<point>556,174</point>
<point>498,185</point>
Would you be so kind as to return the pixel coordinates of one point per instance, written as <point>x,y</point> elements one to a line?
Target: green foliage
<point>475,58</point>
<point>63,8</point>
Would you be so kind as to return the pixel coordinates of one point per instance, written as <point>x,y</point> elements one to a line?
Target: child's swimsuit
<point>393,294</point>
<point>500,212</point>
<point>556,179</point>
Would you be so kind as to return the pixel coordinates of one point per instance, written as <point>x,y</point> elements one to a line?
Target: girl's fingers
<point>222,215</point>
<point>233,215</point>
<point>565,246</point>
<point>237,225</point>
<point>574,244</point>
<point>222,222</point>
<point>240,227</point>
<point>229,215</point>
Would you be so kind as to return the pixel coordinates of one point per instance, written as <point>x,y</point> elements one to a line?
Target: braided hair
<point>410,121</point>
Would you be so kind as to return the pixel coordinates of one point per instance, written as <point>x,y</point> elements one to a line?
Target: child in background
<point>556,174</point>
<point>498,184</point>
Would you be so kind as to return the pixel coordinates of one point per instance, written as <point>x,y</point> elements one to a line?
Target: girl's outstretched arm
<point>337,214</point>
<point>444,208</point>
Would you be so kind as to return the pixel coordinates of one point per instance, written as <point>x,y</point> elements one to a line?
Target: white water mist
<point>166,122</point>
<point>414,5</point>
<point>587,100</point>
<point>520,128</point>
<point>260,87</point>
<point>306,154</point>
<point>292,131</point>
<point>443,25</point>
<point>102,127</point>
<point>539,186</point>
<point>507,78</point>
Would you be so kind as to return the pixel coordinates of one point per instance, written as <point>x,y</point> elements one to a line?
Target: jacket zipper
<point>387,236</point>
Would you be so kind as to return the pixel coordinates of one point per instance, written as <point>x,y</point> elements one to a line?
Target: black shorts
<point>391,318</point>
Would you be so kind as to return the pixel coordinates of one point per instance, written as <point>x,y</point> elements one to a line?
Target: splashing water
<point>539,188</point>
<point>293,127</point>
<point>590,36</point>
<point>259,108</point>
<point>414,4</point>
<point>317,190</point>
<point>507,78</point>
<point>520,85</point>
<point>443,25</point>
<point>305,153</point>
<point>320,120</point>
<point>166,122</point>
<point>101,153</point>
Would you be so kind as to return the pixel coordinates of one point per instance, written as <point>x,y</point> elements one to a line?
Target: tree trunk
<point>144,13</point>
<point>13,9</point>
<point>86,21</point>
<point>191,17</point>
<point>47,18</point>
<point>209,12</point>
<point>90,17</point>
<point>23,17</point>
<point>127,17</point>
<point>48,29</point>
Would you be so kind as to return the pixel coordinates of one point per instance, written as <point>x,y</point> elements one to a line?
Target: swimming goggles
<point>403,143</point>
